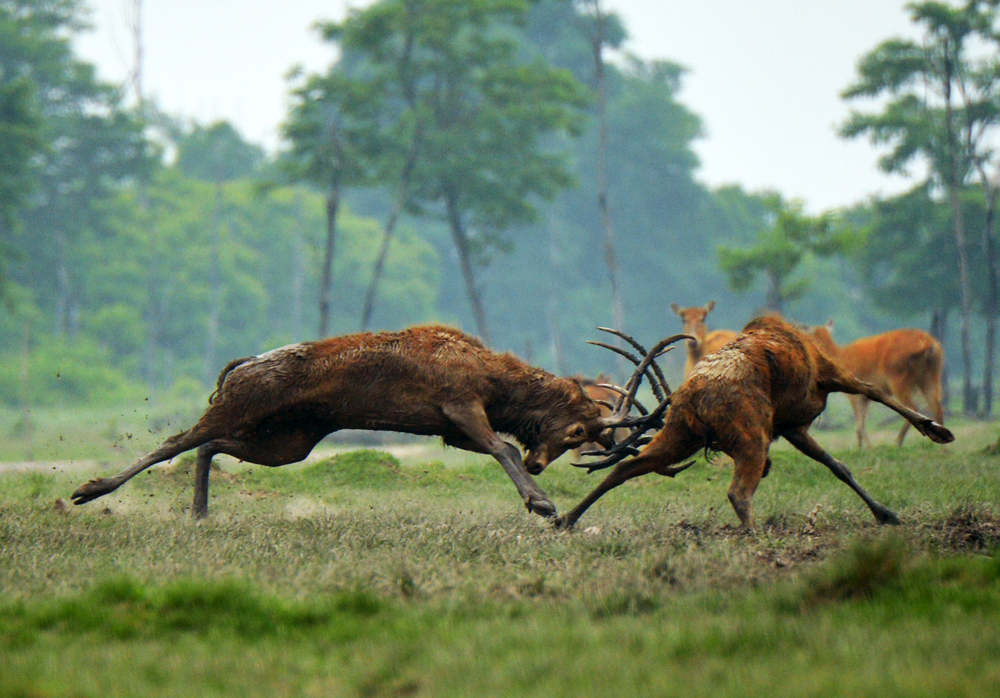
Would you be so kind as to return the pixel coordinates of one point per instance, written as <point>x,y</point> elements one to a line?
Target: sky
<point>764,75</point>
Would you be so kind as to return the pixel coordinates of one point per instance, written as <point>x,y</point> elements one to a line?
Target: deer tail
<point>225,372</point>
<point>927,362</point>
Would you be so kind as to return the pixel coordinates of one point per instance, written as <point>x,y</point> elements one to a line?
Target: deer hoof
<point>886,517</point>
<point>91,490</point>
<point>936,433</point>
<point>561,524</point>
<point>542,507</point>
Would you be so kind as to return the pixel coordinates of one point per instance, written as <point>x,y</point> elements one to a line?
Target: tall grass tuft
<point>860,571</point>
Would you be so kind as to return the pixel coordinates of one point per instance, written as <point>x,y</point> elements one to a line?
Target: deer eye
<point>579,431</point>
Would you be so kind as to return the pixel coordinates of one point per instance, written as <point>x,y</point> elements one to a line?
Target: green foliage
<point>217,153</point>
<point>781,248</point>
<point>63,373</point>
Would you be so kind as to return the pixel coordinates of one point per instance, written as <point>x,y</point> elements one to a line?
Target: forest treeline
<point>460,153</point>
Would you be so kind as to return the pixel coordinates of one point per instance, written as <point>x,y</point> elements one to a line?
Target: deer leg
<point>847,383</point>
<point>670,446</point>
<point>901,390</point>
<point>622,473</point>
<point>174,446</point>
<point>750,462</point>
<point>859,404</point>
<point>203,466</point>
<point>272,450</point>
<point>471,419</point>
<point>804,442</point>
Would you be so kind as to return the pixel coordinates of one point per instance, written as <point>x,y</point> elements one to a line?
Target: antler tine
<point>611,386</point>
<point>659,390</point>
<point>607,462</point>
<point>635,360</point>
<point>662,388</point>
<point>618,333</point>
<point>628,446</point>
<point>640,371</point>
<point>656,366</point>
<point>621,391</point>
<point>634,380</point>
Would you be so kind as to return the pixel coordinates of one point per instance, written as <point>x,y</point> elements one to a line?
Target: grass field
<point>414,571</point>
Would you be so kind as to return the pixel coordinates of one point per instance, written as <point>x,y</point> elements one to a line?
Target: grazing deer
<point>898,362</point>
<point>772,381</point>
<point>704,342</point>
<point>272,409</point>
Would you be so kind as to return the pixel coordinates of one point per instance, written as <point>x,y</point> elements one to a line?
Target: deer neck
<point>521,407</point>
<point>826,343</point>
<point>696,349</point>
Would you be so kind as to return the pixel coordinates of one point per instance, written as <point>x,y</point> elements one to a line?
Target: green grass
<point>370,574</point>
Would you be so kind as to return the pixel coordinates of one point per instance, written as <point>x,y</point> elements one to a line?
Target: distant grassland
<point>367,574</point>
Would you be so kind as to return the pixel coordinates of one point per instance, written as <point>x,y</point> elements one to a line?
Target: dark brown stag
<point>274,408</point>
<point>771,381</point>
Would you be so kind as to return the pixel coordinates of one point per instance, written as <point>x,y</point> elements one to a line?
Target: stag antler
<point>660,390</point>
<point>619,417</point>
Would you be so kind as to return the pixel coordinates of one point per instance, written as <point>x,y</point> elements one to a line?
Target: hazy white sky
<point>765,75</point>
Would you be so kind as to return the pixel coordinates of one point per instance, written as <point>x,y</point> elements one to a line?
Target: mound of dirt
<point>971,529</point>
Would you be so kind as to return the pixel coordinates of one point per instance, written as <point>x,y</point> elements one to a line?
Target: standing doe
<point>898,362</point>
<point>704,342</point>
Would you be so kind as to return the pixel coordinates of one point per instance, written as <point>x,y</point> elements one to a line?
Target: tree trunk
<point>379,266</point>
<point>597,41</point>
<point>954,194</point>
<point>462,245</point>
<point>555,332</point>
<point>954,187</point>
<point>398,204</point>
<point>326,284</point>
<point>215,287</point>
<point>610,256</point>
<point>29,432</point>
<point>298,270</point>
<point>62,310</point>
<point>774,302</point>
<point>939,330</point>
<point>991,301</point>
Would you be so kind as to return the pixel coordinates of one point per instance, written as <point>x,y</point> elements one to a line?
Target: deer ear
<point>829,324</point>
<point>710,306</point>
<point>676,308</point>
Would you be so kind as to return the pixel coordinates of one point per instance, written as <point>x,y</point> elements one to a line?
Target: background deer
<point>704,342</point>
<point>772,381</point>
<point>274,408</point>
<point>898,362</point>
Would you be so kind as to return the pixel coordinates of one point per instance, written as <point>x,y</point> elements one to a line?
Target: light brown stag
<point>704,342</point>
<point>771,382</point>
<point>272,409</point>
<point>900,362</point>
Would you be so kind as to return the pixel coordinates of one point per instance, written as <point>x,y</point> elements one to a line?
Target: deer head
<point>694,319</point>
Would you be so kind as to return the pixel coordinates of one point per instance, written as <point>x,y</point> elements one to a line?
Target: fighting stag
<point>272,409</point>
<point>703,342</point>
<point>772,381</point>
<point>900,362</point>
